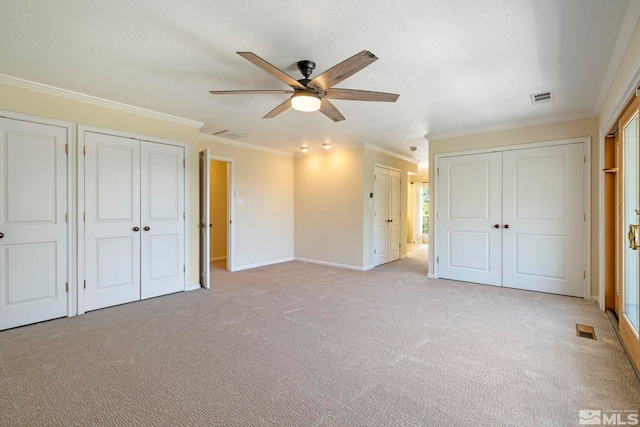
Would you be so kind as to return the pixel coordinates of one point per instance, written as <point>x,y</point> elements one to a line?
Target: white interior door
<point>381,216</point>
<point>205,235</point>
<point>394,215</point>
<point>112,223</point>
<point>33,227</point>
<point>469,218</point>
<point>543,219</point>
<point>162,265</point>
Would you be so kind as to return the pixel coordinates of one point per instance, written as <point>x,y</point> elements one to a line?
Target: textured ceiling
<point>457,64</point>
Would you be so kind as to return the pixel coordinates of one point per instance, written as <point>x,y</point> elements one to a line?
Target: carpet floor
<point>307,345</point>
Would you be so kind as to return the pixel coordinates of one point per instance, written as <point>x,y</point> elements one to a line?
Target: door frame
<point>381,165</point>
<point>586,144</point>
<point>70,128</point>
<point>230,207</point>
<point>81,130</point>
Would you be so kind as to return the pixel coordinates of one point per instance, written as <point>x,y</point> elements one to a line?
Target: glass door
<point>630,212</point>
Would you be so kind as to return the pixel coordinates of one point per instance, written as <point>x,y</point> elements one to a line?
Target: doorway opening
<point>216,215</point>
<point>418,208</point>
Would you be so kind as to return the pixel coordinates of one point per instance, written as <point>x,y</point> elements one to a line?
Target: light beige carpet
<point>307,345</point>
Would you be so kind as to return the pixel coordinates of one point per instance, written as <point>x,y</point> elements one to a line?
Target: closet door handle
<point>147,228</point>
<point>506,226</point>
<point>496,226</point>
<point>136,228</point>
<point>1,235</point>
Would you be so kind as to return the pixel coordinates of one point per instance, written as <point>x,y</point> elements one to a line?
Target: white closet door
<point>33,247</point>
<point>544,212</point>
<point>394,215</point>
<point>469,209</point>
<point>112,225</point>
<point>162,210</point>
<point>381,216</point>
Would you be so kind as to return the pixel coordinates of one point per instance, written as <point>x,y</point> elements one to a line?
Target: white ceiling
<point>457,64</point>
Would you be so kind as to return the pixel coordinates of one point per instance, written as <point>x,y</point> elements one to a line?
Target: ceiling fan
<point>314,94</point>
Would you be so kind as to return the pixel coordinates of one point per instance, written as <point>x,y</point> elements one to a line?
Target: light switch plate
<point>239,201</point>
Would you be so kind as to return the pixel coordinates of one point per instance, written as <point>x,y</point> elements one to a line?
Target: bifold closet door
<point>112,220</point>
<point>33,226</point>
<point>162,222</point>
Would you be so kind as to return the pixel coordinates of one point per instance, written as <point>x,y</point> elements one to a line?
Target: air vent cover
<point>539,98</point>
<point>231,134</point>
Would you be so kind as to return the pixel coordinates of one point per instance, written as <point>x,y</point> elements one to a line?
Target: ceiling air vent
<point>539,98</point>
<point>231,134</point>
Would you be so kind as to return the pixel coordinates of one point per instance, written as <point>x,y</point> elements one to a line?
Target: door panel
<point>394,215</point>
<point>544,209</point>
<point>33,199</point>
<point>112,208</point>
<point>470,205</point>
<point>381,216</point>
<point>205,220</point>
<point>162,222</point>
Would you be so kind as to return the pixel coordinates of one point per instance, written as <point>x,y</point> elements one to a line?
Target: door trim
<point>81,130</point>
<point>70,128</point>
<point>586,144</point>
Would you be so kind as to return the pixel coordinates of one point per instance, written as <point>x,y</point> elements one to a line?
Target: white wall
<point>263,225</point>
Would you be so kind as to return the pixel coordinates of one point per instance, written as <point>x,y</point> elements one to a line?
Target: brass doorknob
<point>147,228</point>
<point>136,229</point>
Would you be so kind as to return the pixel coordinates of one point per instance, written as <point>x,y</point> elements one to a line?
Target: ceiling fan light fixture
<point>305,101</point>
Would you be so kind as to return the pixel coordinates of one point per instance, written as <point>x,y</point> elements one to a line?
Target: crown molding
<point>390,153</point>
<point>89,99</point>
<point>507,126</point>
<point>239,144</point>
<point>629,22</point>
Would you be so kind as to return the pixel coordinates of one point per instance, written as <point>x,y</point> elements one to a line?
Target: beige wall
<point>263,225</point>
<point>218,209</point>
<point>39,104</point>
<point>371,158</point>
<point>329,208</point>
<point>547,132</point>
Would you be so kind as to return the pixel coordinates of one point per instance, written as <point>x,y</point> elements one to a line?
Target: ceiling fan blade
<point>275,72</point>
<point>361,95</point>
<point>329,110</point>
<point>247,92</point>
<point>279,109</point>
<point>346,68</point>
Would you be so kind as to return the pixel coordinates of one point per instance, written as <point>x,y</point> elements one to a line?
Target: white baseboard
<point>333,264</point>
<point>430,276</point>
<point>193,287</point>
<point>369,267</point>
<point>220,258</point>
<point>261,264</point>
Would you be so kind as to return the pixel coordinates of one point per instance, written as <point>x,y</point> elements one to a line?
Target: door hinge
<point>374,251</point>
<point>66,286</point>
<point>84,217</point>
<point>585,160</point>
<point>438,171</point>
<point>184,268</point>
<point>184,163</point>
<point>66,217</point>
<point>184,215</point>
<point>85,284</point>
<point>399,245</point>
<point>438,215</point>
<point>84,150</point>
<point>584,274</point>
<point>437,259</point>
<point>66,148</point>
